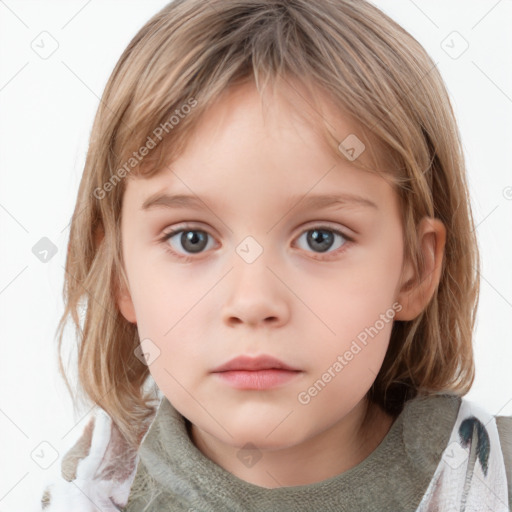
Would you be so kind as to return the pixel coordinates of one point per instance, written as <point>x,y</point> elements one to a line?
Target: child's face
<point>323,306</point>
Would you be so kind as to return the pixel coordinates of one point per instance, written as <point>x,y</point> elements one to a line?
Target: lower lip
<point>257,379</point>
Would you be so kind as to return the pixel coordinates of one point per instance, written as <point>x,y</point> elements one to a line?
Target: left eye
<point>321,239</point>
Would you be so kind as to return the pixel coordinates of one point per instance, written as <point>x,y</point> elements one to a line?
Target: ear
<point>415,291</point>
<point>125,303</point>
<point>123,297</point>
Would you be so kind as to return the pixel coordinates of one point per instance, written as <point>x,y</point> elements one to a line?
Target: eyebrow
<point>163,200</point>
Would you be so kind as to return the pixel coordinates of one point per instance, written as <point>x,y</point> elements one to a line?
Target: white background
<point>47,107</point>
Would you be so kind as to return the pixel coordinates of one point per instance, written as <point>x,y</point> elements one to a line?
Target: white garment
<point>470,478</point>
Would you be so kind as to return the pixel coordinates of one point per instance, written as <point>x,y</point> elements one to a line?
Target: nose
<point>256,297</point>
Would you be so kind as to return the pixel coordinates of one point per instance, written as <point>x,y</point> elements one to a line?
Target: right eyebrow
<point>162,200</point>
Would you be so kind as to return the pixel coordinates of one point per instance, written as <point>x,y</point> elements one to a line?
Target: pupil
<point>193,237</point>
<point>321,237</point>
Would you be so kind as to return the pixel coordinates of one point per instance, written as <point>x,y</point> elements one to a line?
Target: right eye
<point>191,240</point>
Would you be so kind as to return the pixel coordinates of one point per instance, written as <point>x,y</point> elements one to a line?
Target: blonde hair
<point>192,52</point>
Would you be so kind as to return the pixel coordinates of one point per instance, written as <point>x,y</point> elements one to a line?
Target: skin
<point>294,302</point>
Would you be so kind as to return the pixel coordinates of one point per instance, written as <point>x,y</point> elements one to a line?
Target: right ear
<point>125,303</point>
<point>123,297</point>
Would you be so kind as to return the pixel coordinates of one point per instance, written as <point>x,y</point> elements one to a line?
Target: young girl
<point>234,364</point>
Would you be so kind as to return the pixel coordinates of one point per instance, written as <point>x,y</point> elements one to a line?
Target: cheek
<point>171,313</point>
<point>355,313</point>
<point>161,295</point>
<point>354,295</point>
<point>372,279</point>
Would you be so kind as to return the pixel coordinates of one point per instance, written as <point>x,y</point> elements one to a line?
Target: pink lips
<point>263,372</point>
<point>253,363</point>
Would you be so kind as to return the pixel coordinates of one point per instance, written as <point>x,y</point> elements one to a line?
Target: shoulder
<point>504,425</point>
<point>96,472</point>
<point>428,422</point>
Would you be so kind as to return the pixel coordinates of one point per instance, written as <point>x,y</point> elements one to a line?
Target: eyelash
<point>186,259</point>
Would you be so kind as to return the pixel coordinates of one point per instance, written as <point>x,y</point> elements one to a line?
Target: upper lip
<point>263,362</point>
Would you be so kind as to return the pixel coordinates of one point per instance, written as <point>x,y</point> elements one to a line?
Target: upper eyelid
<point>310,225</point>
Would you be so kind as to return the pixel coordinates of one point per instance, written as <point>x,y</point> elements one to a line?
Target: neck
<point>323,456</point>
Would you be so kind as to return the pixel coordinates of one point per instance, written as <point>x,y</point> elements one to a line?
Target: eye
<point>191,240</point>
<point>321,239</point>
<point>184,242</point>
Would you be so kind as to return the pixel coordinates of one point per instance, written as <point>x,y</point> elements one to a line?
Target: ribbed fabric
<point>504,424</point>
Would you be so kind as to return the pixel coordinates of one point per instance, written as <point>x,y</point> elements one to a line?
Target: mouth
<point>247,363</point>
<point>263,372</point>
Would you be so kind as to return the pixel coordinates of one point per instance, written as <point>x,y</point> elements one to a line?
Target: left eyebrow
<point>163,200</point>
<point>326,200</point>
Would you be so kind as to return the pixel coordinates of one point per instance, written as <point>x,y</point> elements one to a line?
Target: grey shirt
<point>172,474</point>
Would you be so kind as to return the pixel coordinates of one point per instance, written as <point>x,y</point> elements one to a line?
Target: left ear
<point>416,290</point>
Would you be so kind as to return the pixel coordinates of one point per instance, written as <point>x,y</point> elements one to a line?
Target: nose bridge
<point>250,249</point>
<point>255,295</point>
<point>252,276</point>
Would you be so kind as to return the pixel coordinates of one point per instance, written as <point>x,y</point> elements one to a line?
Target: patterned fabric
<point>471,475</point>
<point>99,470</point>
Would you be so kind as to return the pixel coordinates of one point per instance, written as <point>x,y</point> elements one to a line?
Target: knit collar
<point>394,476</point>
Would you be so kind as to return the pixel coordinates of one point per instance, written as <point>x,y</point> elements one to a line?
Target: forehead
<point>246,141</point>
<point>290,107</point>
<point>278,107</point>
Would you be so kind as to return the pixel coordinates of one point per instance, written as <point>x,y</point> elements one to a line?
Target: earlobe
<point>417,290</point>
